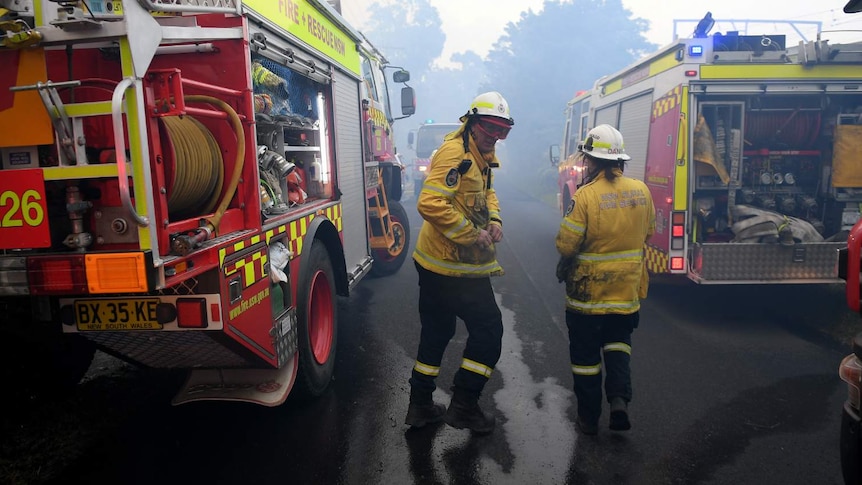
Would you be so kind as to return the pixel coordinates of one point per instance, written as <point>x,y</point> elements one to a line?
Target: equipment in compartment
<point>291,126</point>
<point>765,157</point>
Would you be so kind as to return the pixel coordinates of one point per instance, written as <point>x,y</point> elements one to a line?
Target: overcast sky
<point>476,24</point>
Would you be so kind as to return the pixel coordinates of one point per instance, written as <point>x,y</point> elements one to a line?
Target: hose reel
<point>194,168</point>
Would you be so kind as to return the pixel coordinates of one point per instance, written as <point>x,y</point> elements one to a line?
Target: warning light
<point>695,50</point>
<point>676,263</point>
<point>691,73</point>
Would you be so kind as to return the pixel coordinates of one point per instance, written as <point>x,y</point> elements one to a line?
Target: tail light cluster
<point>677,241</point>
<point>87,274</point>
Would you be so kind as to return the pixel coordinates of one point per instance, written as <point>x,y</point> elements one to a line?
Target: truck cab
<point>424,141</point>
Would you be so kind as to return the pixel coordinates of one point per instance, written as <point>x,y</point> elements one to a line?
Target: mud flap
<point>267,387</point>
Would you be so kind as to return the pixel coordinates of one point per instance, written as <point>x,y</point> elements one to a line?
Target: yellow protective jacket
<point>456,201</point>
<point>603,234</point>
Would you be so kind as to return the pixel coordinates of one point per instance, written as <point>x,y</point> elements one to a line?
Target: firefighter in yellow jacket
<point>455,257</point>
<point>601,242</point>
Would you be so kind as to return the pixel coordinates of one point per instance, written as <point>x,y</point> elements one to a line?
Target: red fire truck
<point>189,185</point>
<point>424,141</point>
<point>748,146</point>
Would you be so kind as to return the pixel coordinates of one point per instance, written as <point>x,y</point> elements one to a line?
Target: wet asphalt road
<point>731,386</point>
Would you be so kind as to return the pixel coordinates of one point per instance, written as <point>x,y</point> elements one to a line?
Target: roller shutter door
<point>635,115</point>
<point>606,116</point>
<point>351,177</point>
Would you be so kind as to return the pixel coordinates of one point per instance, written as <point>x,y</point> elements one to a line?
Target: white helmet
<point>491,103</point>
<point>606,143</point>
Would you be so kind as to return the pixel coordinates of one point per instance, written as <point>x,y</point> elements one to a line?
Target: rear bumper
<point>765,263</point>
<point>851,445</point>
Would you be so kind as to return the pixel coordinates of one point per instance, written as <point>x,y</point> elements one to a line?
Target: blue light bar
<point>695,50</point>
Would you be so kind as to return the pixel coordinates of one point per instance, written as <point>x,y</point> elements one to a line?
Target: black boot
<point>619,420</point>
<point>464,412</point>
<point>419,415</point>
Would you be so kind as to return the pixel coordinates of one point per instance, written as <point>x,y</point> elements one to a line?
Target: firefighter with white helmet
<point>601,241</point>
<point>455,258</point>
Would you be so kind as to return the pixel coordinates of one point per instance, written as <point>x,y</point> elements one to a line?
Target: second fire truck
<point>190,185</point>
<point>749,146</point>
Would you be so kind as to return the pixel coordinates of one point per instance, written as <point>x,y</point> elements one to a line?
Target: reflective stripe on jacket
<point>603,233</point>
<point>455,206</point>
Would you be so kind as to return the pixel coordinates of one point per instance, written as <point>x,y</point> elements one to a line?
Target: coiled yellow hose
<point>236,123</point>
<point>198,167</point>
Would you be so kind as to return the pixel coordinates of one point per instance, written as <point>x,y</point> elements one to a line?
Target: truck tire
<point>389,261</point>
<point>318,322</point>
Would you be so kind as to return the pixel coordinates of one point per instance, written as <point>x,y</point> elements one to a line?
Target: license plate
<point>125,314</point>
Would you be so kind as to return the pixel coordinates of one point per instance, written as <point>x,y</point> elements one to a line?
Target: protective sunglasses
<point>493,130</point>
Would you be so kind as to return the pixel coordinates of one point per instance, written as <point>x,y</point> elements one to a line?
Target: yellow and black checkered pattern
<point>378,118</point>
<point>667,102</point>
<point>656,260</point>
<point>253,267</point>
<point>295,229</point>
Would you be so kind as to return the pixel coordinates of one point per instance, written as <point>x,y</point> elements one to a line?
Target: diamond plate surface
<point>170,350</point>
<point>766,262</point>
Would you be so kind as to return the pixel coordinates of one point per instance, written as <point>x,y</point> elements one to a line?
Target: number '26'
<point>23,209</point>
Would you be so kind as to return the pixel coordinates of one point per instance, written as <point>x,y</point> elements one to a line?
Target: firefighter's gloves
<point>564,267</point>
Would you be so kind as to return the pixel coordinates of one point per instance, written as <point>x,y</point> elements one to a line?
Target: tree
<point>543,59</point>
<point>408,33</point>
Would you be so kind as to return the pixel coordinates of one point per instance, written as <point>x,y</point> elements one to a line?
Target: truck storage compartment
<point>768,169</point>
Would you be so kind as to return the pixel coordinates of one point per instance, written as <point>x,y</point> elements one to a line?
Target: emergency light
<point>695,50</point>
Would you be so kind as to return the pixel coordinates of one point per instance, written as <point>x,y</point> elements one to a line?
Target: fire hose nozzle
<point>183,244</point>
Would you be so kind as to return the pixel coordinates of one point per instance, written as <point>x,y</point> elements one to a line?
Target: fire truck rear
<point>190,185</point>
<point>749,147</point>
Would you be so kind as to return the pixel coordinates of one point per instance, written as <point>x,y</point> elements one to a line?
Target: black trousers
<point>597,343</point>
<point>442,299</point>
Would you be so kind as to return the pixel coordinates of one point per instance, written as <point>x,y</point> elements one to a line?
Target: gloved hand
<point>564,266</point>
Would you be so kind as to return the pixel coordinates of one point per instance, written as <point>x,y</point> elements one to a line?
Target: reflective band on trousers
<point>587,370</point>
<point>473,366</point>
<point>617,347</point>
<point>428,370</point>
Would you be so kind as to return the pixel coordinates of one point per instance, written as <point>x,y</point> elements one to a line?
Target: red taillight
<point>677,263</point>
<point>192,312</point>
<point>57,275</point>
<point>677,230</point>
<point>690,73</point>
<point>850,372</point>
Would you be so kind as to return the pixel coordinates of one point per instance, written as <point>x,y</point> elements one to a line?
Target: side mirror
<point>554,153</point>
<point>408,101</point>
<point>401,76</point>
